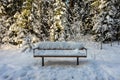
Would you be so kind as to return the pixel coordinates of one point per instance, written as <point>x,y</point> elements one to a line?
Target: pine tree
<point>105,20</point>
<point>7,10</point>
<point>57,29</point>
<point>22,25</point>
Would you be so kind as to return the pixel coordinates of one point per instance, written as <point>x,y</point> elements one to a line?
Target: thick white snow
<point>99,65</point>
<point>59,45</point>
<point>75,52</point>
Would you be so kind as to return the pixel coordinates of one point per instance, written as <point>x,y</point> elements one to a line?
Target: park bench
<point>56,49</point>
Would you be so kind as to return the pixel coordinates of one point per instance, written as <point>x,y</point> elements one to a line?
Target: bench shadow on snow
<point>66,63</point>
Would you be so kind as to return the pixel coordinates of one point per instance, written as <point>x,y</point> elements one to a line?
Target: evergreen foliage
<point>58,20</point>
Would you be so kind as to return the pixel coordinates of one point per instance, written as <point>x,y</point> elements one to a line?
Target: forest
<point>58,20</point>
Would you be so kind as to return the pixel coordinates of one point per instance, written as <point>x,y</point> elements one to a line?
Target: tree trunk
<point>71,5</point>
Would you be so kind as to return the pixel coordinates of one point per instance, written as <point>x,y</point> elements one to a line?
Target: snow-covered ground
<point>99,65</point>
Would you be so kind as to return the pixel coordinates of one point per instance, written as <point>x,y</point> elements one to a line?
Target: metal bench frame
<point>43,56</point>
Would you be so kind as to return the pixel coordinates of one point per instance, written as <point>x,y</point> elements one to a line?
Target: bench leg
<point>77,60</point>
<point>42,61</point>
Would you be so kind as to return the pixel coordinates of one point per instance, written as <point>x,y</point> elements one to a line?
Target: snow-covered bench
<point>59,49</point>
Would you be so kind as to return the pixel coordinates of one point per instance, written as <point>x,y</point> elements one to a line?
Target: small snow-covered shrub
<point>27,45</point>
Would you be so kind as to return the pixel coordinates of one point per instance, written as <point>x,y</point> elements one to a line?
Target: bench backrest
<point>59,46</point>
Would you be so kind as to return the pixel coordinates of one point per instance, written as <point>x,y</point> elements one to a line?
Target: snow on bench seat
<point>75,52</point>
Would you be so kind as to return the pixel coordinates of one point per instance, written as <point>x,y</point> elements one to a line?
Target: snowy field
<point>99,65</point>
